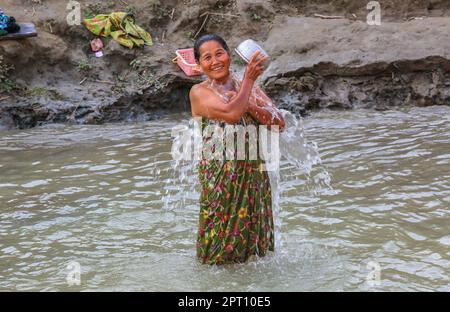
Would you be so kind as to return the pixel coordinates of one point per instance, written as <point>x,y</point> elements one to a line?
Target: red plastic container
<point>186,60</point>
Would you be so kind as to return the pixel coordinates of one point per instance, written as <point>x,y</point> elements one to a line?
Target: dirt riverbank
<point>315,62</point>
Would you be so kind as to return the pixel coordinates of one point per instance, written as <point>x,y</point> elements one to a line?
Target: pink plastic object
<point>96,45</point>
<point>186,60</point>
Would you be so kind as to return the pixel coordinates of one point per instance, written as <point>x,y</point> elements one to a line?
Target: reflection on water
<point>95,195</point>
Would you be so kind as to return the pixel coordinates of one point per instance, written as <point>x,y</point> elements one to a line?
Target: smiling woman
<point>236,219</point>
<point>215,57</point>
<point>223,98</point>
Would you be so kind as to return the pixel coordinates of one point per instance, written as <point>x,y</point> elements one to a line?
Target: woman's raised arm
<point>205,103</point>
<point>264,111</point>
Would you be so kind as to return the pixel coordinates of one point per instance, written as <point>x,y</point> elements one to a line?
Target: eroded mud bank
<point>315,63</point>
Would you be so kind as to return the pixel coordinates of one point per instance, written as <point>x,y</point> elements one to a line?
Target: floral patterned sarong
<point>236,219</point>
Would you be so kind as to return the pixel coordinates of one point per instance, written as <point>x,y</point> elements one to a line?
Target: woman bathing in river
<point>236,219</point>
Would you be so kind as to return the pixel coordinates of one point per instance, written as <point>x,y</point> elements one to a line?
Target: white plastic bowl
<point>247,48</point>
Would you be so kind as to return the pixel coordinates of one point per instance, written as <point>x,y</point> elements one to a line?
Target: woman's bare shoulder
<point>197,97</point>
<point>198,88</point>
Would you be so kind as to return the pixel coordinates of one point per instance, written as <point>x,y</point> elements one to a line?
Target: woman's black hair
<point>205,38</point>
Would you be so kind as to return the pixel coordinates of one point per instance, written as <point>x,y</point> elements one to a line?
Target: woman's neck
<point>224,85</point>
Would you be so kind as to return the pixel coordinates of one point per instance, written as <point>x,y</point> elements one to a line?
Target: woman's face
<point>214,60</point>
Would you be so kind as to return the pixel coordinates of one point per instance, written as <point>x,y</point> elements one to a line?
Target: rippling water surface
<point>97,195</point>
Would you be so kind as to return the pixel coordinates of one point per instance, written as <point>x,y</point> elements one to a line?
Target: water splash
<point>301,157</point>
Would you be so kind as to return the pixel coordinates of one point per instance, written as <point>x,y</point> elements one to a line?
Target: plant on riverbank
<point>143,76</point>
<point>159,10</point>
<point>147,80</point>
<point>189,35</point>
<point>92,10</point>
<point>83,65</point>
<point>42,92</point>
<point>37,91</point>
<point>256,17</point>
<point>6,84</point>
<point>131,9</point>
<point>136,64</point>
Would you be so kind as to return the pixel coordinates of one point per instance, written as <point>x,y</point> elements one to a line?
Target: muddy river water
<point>94,198</point>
